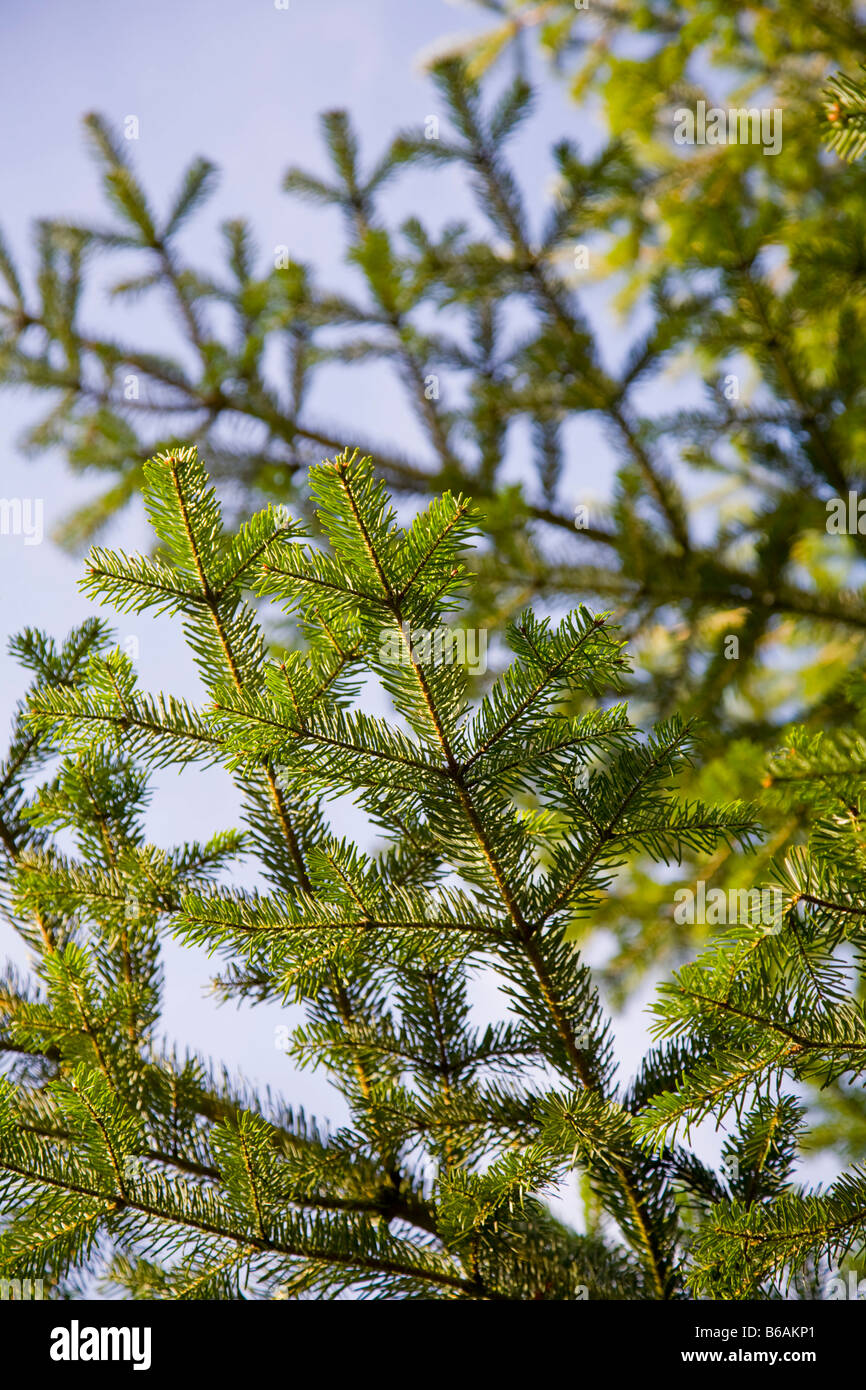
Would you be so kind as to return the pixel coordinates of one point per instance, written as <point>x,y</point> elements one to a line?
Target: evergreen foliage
<point>504,804</point>
<point>124,1160</point>
<point>768,1013</point>
<point>845,116</point>
<point>740,267</point>
<point>746,271</point>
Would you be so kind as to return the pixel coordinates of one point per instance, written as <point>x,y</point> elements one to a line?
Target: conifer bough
<point>744,269</point>
<point>739,605</point>
<point>502,821</point>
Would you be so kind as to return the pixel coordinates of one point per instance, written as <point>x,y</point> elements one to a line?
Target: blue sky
<point>243,83</point>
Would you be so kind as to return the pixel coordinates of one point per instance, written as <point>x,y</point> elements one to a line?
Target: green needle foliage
<point>744,270</point>
<point>845,116</point>
<point>763,1015</point>
<point>495,823</point>
<point>724,373</point>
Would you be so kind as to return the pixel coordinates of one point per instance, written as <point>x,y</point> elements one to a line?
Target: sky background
<point>242,83</point>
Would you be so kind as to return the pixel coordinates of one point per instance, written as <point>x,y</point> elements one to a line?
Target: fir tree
<point>121,1159</point>
<point>763,1015</point>
<point>747,269</point>
<point>124,1160</point>
<point>742,264</point>
<point>845,116</point>
<point>744,268</point>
